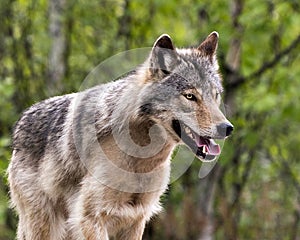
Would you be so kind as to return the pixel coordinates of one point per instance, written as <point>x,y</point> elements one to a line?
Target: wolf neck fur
<point>139,140</point>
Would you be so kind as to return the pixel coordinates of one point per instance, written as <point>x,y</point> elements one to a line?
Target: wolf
<point>93,164</point>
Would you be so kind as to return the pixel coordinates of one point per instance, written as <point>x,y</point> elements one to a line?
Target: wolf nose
<point>225,129</point>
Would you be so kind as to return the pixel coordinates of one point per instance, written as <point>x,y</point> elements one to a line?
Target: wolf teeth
<point>188,131</point>
<point>204,150</point>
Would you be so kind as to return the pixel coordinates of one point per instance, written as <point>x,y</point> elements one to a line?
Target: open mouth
<point>205,148</point>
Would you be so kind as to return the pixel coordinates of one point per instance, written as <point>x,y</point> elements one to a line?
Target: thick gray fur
<point>93,164</point>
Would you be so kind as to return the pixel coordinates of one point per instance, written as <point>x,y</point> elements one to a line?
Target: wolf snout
<point>225,129</point>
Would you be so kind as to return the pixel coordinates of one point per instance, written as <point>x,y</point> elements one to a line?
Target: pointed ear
<point>164,41</point>
<point>163,57</point>
<point>209,46</point>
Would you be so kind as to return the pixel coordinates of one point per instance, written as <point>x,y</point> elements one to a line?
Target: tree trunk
<point>206,193</point>
<point>233,57</point>
<point>57,63</point>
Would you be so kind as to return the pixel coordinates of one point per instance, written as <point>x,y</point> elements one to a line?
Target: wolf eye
<point>190,96</point>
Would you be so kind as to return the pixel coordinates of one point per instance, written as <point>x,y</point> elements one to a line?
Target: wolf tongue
<point>211,146</point>
<point>214,148</point>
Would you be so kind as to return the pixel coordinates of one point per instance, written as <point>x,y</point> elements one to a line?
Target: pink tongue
<point>211,146</point>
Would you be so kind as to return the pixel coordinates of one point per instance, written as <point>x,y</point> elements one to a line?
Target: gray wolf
<point>93,164</point>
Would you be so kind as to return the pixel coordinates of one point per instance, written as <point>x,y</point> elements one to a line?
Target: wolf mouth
<point>205,148</point>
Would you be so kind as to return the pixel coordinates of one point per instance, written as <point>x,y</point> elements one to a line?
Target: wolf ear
<point>164,41</point>
<point>209,46</point>
<point>163,57</point>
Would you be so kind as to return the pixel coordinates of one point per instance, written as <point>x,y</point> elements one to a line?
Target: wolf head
<point>182,92</point>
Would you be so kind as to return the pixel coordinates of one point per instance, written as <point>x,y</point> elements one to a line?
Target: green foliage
<point>257,190</point>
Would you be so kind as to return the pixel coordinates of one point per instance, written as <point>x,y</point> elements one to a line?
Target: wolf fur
<point>93,165</point>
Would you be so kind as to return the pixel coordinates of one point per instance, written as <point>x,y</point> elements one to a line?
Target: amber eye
<point>190,96</point>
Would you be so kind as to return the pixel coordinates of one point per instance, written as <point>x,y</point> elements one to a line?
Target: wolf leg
<point>93,230</point>
<point>133,232</point>
<point>40,217</point>
<point>21,230</point>
<point>41,223</point>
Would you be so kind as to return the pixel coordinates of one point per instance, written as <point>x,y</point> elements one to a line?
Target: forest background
<point>47,48</point>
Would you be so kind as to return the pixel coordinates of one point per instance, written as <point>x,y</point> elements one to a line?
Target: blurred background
<point>48,48</point>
